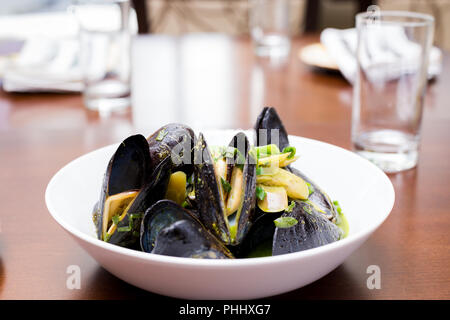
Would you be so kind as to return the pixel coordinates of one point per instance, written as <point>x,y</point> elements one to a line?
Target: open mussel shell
<point>312,230</point>
<point>267,121</point>
<point>128,169</point>
<point>209,198</point>
<point>128,229</point>
<point>176,141</point>
<point>169,229</point>
<point>246,210</point>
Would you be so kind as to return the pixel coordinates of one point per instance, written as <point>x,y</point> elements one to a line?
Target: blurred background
<point>178,16</point>
<point>39,53</point>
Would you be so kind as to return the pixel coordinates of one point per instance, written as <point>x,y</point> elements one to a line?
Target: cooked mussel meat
<point>225,181</point>
<point>268,121</point>
<point>129,187</point>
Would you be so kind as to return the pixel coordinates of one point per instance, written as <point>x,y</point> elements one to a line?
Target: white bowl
<point>364,192</point>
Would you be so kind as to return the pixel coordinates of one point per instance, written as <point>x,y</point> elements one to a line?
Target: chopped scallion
<point>291,150</point>
<point>260,193</point>
<point>115,219</point>
<point>290,207</point>
<point>285,222</point>
<point>225,184</point>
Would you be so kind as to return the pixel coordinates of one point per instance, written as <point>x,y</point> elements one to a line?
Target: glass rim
<point>423,19</point>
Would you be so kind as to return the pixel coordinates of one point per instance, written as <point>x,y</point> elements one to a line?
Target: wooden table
<point>216,81</point>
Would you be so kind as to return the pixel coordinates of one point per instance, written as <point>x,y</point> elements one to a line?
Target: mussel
<point>270,130</point>
<point>312,230</point>
<point>130,186</point>
<point>173,140</point>
<point>225,187</point>
<point>172,194</point>
<point>169,229</point>
<point>314,215</point>
<point>267,122</point>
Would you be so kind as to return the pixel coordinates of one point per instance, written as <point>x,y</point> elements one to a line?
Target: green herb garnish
<point>266,171</point>
<point>239,159</point>
<point>291,150</point>
<point>268,150</point>
<point>161,134</point>
<point>115,219</point>
<point>136,216</point>
<point>285,222</point>
<point>253,156</point>
<point>106,236</point>
<point>339,211</point>
<point>338,206</point>
<point>307,208</point>
<point>310,188</point>
<point>260,193</point>
<point>290,207</point>
<point>220,152</point>
<point>124,229</point>
<point>225,184</point>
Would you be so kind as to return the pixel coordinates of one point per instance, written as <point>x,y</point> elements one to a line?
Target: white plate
<point>317,56</point>
<point>364,192</point>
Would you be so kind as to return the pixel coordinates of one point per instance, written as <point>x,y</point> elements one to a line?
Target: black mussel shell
<point>312,230</point>
<point>246,212</point>
<point>210,203</point>
<point>175,141</point>
<point>318,197</point>
<point>185,238</point>
<point>270,130</point>
<point>128,169</point>
<point>211,210</point>
<point>169,229</point>
<point>128,230</point>
<point>269,119</point>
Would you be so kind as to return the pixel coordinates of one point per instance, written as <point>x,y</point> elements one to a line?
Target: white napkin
<point>341,46</point>
<point>45,65</point>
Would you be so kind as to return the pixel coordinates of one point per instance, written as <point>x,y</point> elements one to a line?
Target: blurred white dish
<point>317,56</point>
<point>364,192</point>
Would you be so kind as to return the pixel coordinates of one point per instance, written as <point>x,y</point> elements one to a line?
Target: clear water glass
<point>391,80</point>
<point>269,27</point>
<point>105,53</point>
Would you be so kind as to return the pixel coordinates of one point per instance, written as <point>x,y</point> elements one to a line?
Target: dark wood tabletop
<point>40,133</point>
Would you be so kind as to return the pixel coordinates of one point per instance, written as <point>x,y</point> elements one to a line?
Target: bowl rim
<point>222,263</point>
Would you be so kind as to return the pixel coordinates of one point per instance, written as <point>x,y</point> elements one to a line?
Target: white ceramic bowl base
<point>364,192</point>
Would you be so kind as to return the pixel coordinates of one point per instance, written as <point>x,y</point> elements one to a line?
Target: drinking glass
<point>392,57</point>
<point>269,27</point>
<point>105,53</point>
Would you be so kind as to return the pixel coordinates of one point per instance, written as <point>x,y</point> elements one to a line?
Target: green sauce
<point>343,224</point>
<point>263,249</point>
